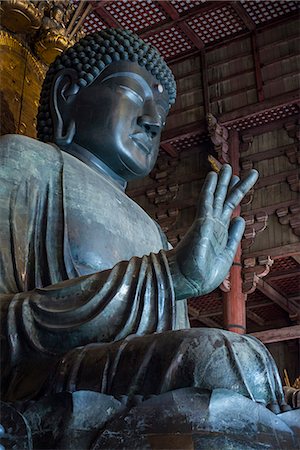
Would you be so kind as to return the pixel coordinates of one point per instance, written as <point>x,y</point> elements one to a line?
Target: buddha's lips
<point>142,141</point>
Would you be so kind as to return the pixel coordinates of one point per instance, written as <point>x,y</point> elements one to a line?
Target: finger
<point>207,195</point>
<point>222,189</point>
<point>235,234</point>
<point>238,193</point>
<point>234,180</point>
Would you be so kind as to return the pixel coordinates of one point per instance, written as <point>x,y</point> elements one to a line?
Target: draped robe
<point>83,268</point>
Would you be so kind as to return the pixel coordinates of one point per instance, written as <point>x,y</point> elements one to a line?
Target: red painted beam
<point>235,299</point>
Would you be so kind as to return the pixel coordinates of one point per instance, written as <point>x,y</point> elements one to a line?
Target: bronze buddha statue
<point>92,297</point>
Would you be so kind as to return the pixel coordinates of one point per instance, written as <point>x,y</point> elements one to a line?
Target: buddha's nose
<point>150,121</point>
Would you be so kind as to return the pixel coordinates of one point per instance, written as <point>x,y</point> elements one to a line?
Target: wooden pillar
<point>234,301</point>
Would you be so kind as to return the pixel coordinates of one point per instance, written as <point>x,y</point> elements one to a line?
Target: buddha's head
<point>109,95</point>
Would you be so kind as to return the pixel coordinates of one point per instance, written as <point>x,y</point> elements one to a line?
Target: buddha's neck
<point>95,163</point>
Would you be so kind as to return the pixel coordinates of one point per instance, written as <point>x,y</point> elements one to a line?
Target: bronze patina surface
<point>94,318</point>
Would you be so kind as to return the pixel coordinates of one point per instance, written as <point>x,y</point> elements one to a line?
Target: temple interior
<point>236,65</point>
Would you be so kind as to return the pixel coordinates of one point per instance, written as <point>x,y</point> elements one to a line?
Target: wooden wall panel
<point>189,103</point>
<point>280,59</point>
<point>269,193</point>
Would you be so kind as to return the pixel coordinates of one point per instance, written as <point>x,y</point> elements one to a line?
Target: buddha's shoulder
<point>23,152</point>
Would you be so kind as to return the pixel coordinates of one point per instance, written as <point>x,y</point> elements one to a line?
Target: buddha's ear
<point>64,90</point>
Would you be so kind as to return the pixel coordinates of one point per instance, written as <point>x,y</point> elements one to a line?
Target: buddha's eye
<point>130,93</point>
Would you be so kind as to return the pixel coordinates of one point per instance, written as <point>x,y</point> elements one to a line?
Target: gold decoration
<point>50,45</point>
<point>20,16</point>
<point>10,41</point>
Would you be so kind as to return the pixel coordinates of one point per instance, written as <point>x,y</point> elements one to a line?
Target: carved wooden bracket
<point>292,128</point>
<point>163,168</point>
<point>293,154</point>
<point>290,216</point>
<point>219,137</point>
<point>253,270</point>
<point>225,286</point>
<point>162,194</point>
<point>255,224</point>
<point>247,140</point>
<point>167,219</point>
<point>294,182</point>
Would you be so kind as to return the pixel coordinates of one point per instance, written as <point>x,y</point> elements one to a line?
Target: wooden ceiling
<point>180,28</point>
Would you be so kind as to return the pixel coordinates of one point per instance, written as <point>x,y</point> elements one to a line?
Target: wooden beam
<point>105,15</point>
<point>278,335</point>
<point>182,18</point>
<point>268,154</point>
<point>283,274</point>
<point>184,131</point>
<point>271,126</point>
<point>174,14</point>
<point>204,319</point>
<point>209,322</point>
<point>255,317</point>
<point>275,179</point>
<point>276,297</point>
<point>297,258</point>
<point>276,252</point>
<point>251,110</point>
<point>204,80</point>
<point>270,209</point>
<point>242,13</point>
<point>167,147</point>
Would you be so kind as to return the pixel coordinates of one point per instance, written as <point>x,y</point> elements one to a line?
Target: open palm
<point>203,258</point>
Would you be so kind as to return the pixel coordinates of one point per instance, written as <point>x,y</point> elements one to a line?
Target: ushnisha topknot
<point>91,55</point>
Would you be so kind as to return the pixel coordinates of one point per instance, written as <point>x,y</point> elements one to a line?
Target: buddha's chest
<point>103,226</point>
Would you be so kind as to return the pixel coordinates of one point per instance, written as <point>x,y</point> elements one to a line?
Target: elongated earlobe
<point>63,136</point>
<point>64,91</point>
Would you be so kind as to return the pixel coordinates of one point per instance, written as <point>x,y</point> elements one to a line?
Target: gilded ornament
<point>51,45</point>
<point>7,40</point>
<point>20,16</point>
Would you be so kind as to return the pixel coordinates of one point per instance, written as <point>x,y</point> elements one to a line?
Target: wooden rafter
<point>168,147</point>
<point>99,8</point>
<point>283,274</point>
<point>255,317</point>
<point>243,15</point>
<point>278,335</point>
<point>204,319</point>
<point>257,68</point>
<point>174,14</point>
<point>277,298</point>
<point>182,18</point>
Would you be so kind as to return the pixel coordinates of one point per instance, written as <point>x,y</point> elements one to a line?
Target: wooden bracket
<point>253,270</point>
<point>290,216</point>
<point>219,137</point>
<point>255,224</point>
<point>292,128</point>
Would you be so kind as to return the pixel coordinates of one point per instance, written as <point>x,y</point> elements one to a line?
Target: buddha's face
<point>119,118</point>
